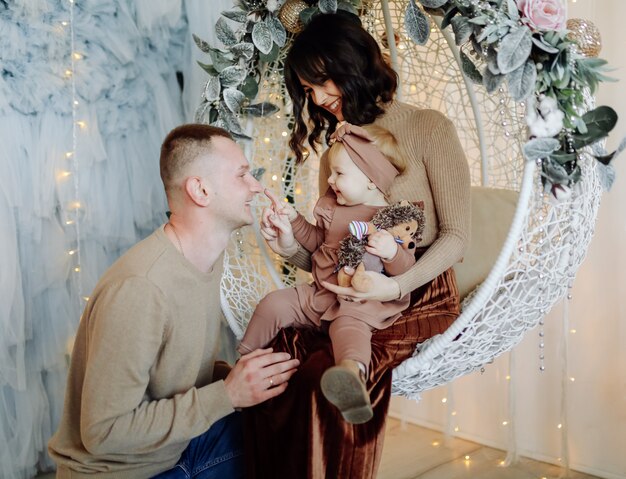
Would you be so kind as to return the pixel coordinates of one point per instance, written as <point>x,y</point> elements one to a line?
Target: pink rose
<point>543,14</point>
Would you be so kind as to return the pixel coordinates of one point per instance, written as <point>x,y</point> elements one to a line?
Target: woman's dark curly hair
<point>336,47</point>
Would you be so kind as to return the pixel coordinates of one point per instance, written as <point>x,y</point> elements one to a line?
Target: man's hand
<point>276,227</point>
<point>259,376</point>
<point>382,244</point>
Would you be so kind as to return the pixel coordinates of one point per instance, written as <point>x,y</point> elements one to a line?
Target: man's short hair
<point>182,146</point>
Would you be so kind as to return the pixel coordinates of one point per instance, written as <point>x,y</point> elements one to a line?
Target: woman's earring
<point>371,186</point>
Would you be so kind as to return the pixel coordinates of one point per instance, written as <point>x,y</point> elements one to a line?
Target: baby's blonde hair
<point>384,141</point>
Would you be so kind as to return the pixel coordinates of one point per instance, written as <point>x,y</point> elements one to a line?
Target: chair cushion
<point>492,213</point>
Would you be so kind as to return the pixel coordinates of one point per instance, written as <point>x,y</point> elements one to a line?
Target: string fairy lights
<point>75,206</point>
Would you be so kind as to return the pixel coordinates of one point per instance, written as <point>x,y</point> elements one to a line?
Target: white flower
<point>273,5</point>
<point>546,120</point>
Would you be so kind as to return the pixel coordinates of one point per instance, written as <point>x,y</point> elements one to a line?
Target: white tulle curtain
<point>88,90</point>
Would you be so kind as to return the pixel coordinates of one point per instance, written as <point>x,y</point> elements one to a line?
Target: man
<point>144,393</point>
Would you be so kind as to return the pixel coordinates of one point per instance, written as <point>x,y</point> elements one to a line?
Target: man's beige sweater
<point>437,174</point>
<point>140,381</point>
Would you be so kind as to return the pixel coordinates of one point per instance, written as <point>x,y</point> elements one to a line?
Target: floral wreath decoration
<point>524,43</point>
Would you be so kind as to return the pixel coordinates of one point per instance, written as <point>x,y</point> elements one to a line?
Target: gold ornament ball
<point>289,15</point>
<point>586,35</point>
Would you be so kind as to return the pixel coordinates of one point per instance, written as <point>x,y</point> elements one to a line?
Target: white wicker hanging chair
<point>546,241</point>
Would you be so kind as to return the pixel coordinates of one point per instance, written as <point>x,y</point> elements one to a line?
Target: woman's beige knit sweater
<point>437,174</point>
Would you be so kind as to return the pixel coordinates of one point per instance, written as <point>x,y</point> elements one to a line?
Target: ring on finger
<point>271,381</point>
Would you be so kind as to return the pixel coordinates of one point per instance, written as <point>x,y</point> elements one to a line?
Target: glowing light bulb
<point>77,56</point>
<point>68,73</point>
<point>435,443</point>
<point>467,458</point>
<point>504,423</point>
<point>266,139</point>
<point>61,175</point>
<point>284,133</point>
<point>560,426</point>
<point>274,177</point>
<point>81,124</point>
<point>444,400</point>
<point>69,154</point>
<point>71,252</point>
<point>453,413</point>
<point>77,269</point>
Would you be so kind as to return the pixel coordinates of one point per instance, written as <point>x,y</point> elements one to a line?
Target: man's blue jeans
<point>216,454</point>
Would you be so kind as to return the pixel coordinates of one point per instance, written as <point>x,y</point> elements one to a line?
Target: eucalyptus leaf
<point>544,46</point>
<point>262,37</point>
<point>514,49</point>
<point>236,15</point>
<point>416,24</point>
<point>224,33</point>
<point>447,18</point>
<point>522,81</point>
<point>202,114</point>
<point>233,99</point>
<point>538,148</point>
<point>327,6</point>
<point>230,120</point>
<point>250,87</point>
<point>232,76</point>
<point>588,138</point>
<point>347,6</point>
<point>220,60</point>
<point>212,89</point>
<point>307,14</point>
<point>279,34</point>
<point>208,68</point>
<point>555,173</point>
<point>511,9</point>
<point>271,56</point>
<point>243,50</point>
<point>606,175</point>
<point>602,118</point>
<point>202,45</point>
<point>470,69</point>
<point>563,158</point>
<point>433,3</point>
<point>260,109</point>
<point>462,30</point>
<point>492,61</point>
<point>492,81</point>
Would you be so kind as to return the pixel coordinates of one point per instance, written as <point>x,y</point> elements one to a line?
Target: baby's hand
<point>382,244</point>
<point>281,208</point>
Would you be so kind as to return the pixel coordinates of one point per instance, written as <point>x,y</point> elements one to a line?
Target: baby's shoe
<point>344,386</point>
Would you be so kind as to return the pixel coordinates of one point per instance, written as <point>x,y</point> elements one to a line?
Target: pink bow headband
<point>365,155</point>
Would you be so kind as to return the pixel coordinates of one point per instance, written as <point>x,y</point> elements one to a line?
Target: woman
<point>335,71</point>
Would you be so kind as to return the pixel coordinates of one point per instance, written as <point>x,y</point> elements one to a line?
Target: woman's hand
<point>276,227</point>
<point>384,289</point>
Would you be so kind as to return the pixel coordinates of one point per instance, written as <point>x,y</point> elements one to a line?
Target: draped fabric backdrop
<point>595,413</point>
<point>87,93</point>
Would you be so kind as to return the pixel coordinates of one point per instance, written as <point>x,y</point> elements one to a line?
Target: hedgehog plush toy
<point>405,222</point>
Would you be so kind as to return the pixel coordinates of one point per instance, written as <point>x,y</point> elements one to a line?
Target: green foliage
<point>534,63</point>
